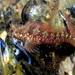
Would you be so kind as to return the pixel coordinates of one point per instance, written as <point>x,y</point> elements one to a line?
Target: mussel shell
<point>73,11</point>
<point>2,45</point>
<point>35,11</point>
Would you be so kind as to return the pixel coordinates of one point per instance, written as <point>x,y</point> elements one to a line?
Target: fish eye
<point>12,29</point>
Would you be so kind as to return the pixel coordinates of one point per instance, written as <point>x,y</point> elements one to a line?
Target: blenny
<point>36,33</point>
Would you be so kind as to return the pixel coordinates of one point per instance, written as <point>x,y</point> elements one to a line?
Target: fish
<point>36,33</point>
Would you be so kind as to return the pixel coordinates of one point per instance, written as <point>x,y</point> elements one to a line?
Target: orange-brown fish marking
<point>34,33</point>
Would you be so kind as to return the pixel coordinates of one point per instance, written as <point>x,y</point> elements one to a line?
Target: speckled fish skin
<point>33,33</point>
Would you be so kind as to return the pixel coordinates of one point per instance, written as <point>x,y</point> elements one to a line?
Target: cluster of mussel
<point>46,60</point>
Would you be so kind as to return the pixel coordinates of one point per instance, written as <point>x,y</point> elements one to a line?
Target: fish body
<point>35,33</point>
